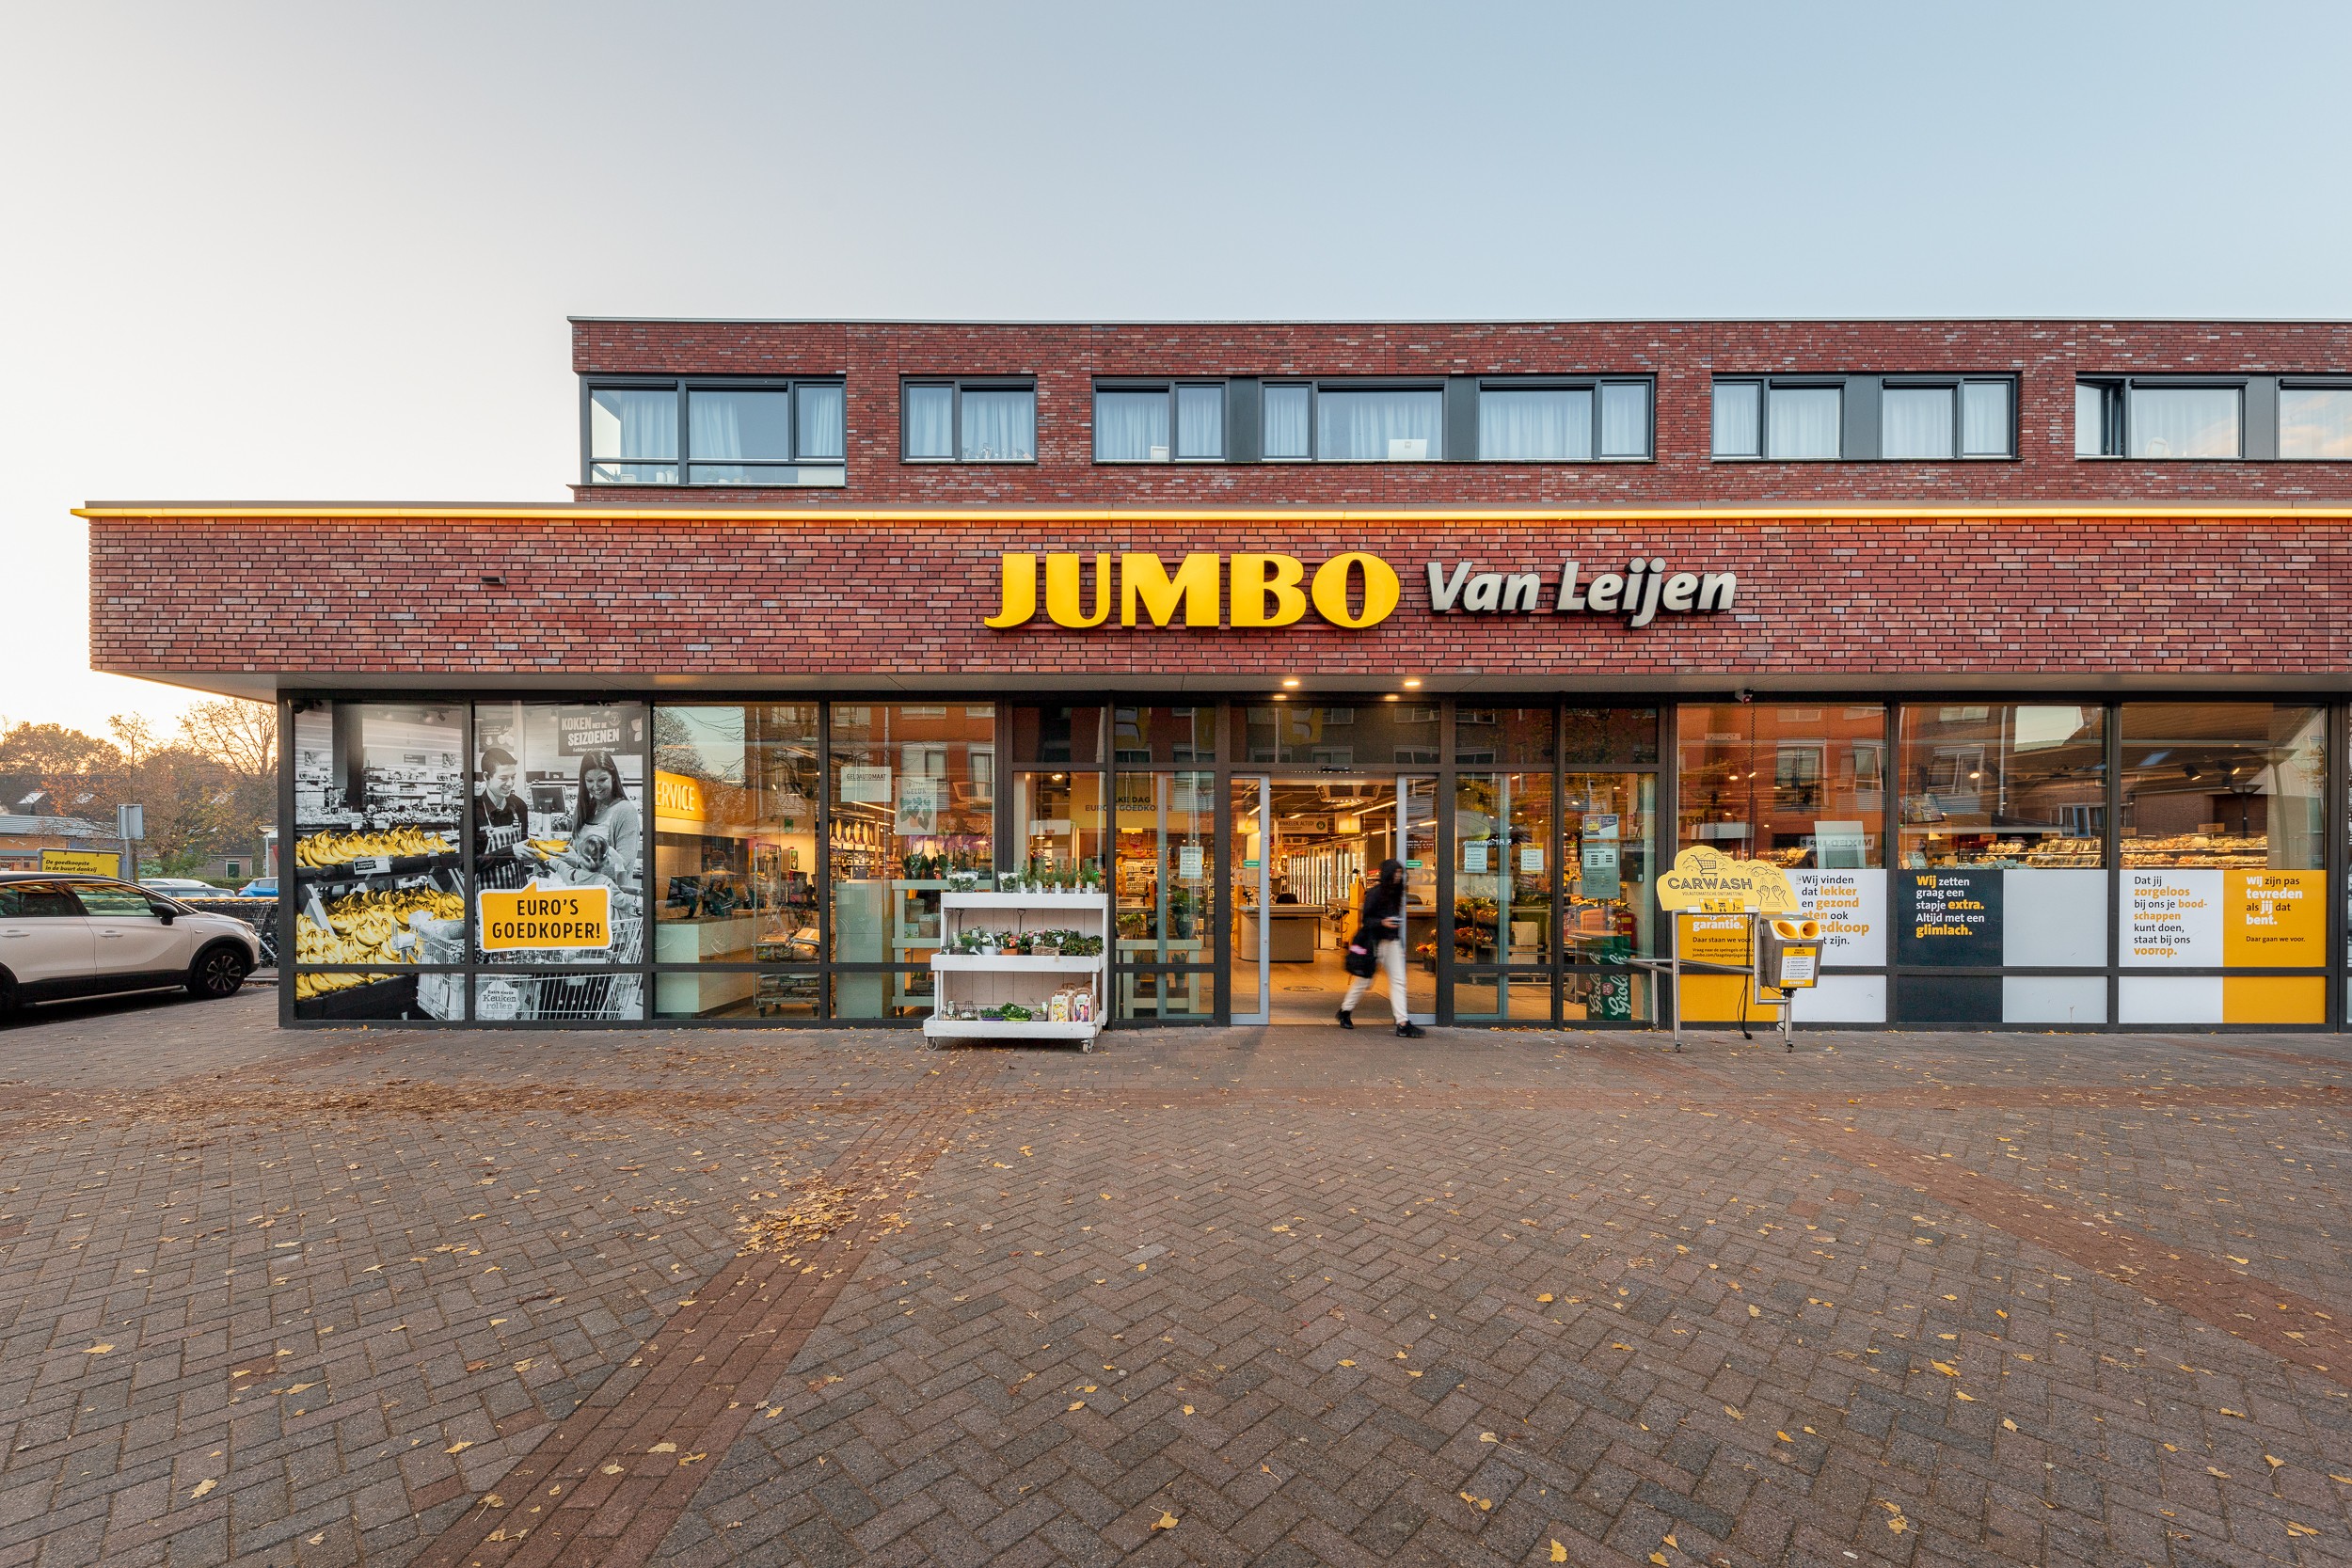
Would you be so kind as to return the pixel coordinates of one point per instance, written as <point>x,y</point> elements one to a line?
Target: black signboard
<point>581,731</point>
<point>1949,917</point>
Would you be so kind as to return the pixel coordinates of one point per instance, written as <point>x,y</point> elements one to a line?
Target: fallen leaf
<point>1347,1363</point>
<point>460,1445</point>
<point>1077,1404</point>
<point>663,1447</point>
<point>1188,1410</point>
<point>1165,1521</point>
<point>1546,1296</point>
<point>690,1459</point>
<point>203,1486</point>
<point>2008,1424</point>
<point>1945,1368</point>
<point>1963,1394</point>
<point>1733,1412</point>
<point>2211,1471</point>
<point>1659,1559</point>
<point>1488,1438</point>
<point>1784,1436</point>
<point>2273,1461</point>
<point>609,1470</point>
<point>1559,1553</point>
<point>98,1349</point>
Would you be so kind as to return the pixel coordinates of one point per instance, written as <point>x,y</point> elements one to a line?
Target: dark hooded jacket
<point>1383,900</point>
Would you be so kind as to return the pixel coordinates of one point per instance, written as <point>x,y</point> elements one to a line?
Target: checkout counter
<point>1292,932</point>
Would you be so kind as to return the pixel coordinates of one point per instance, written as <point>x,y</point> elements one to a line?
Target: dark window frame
<point>1592,382</point>
<point>1765,385</point>
<point>1861,416</point>
<point>959,385</point>
<point>1957,384</point>
<point>2115,416</point>
<point>1167,384</point>
<point>683,388</point>
<point>1316,385</point>
<point>2308,384</point>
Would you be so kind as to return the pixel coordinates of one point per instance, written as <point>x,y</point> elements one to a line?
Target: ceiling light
<point>1291,681</point>
<point>1389,698</point>
<point>1279,695</point>
<point>1413,681</point>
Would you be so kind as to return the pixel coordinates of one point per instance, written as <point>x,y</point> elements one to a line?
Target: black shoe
<point>1348,1020</point>
<point>1410,1031</point>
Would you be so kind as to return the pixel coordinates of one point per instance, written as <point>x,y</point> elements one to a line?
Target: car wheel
<point>9,999</point>
<point>218,971</point>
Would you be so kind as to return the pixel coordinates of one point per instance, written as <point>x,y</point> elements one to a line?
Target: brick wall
<point>1683,356</point>
<point>1909,601</point>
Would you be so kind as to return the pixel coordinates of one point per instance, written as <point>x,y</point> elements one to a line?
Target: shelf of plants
<point>1025,962</point>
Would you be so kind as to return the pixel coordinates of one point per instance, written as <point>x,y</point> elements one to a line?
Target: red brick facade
<point>2264,602</point>
<point>1684,357</point>
<point>2241,574</point>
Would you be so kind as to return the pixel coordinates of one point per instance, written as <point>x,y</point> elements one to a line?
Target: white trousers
<point>1392,957</point>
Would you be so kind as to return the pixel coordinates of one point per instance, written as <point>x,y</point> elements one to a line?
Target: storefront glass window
<point>1339,735</point>
<point>572,818</point>
<point>1057,823</point>
<point>2221,837</point>
<point>913,798</point>
<point>735,848</point>
<point>379,807</point>
<point>1164,736</point>
<point>2004,784</point>
<point>1608,858</point>
<point>1491,736</point>
<point>1503,892</point>
<point>1796,785</point>
<point>1055,733</point>
<point>1164,872</point>
<point>1593,735</point>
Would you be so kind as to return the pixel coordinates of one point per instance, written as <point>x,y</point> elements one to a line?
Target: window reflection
<point>1796,785</point>
<point>2004,783</point>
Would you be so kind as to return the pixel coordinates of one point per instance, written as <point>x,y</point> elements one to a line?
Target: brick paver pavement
<point>1241,1296</point>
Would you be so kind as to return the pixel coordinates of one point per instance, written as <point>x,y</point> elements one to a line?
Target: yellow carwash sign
<point>1710,880</point>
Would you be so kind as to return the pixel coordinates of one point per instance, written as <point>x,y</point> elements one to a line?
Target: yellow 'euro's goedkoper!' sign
<point>576,918</point>
<point>1710,880</point>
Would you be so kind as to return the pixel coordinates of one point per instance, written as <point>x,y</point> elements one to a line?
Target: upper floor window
<point>1790,420</point>
<point>1159,422</point>
<point>1548,421</point>
<point>1861,417</point>
<point>767,433</point>
<point>970,422</point>
<point>2129,417</point>
<point>2315,422</point>
<point>1340,423</point>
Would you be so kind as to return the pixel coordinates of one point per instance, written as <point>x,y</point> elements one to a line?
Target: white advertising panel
<point>2054,920</point>
<point>1851,908</point>
<point>2168,998</point>
<point>1844,999</point>
<point>2171,919</point>
<point>2054,998</point>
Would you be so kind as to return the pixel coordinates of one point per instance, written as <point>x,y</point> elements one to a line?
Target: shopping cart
<point>612,993</point>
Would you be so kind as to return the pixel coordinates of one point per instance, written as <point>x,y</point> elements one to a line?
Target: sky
<point>297,251</point>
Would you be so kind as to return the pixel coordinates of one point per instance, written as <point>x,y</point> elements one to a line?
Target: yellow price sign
<point>571,918</point>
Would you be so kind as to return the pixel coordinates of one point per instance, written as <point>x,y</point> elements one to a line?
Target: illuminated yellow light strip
<point>1295,515</point>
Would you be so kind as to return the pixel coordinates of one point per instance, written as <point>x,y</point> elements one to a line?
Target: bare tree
<point>242,736</point>
<point>134,736</point>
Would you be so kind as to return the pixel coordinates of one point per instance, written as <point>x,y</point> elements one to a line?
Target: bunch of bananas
<point>308,986</point>
<point>549,845</point>
<point>322,849</point>
<point>360,926</point>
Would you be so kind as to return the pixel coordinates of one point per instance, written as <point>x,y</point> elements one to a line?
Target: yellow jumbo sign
<point>1351,591</point>
<point>547,917</point>
<point>1715,882</point>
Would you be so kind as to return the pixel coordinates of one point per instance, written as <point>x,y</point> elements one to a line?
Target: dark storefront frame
<point>1229,706</point>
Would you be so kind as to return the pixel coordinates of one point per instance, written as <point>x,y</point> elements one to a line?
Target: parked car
<point>64,936</point>
<point>183,886</point>
<point>261,887</point>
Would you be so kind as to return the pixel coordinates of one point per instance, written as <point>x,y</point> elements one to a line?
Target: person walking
<point>1377,945</point>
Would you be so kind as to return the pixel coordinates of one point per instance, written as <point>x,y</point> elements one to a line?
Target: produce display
<point>324,849</point>
<point>308,986</point>
<point>361,926</point>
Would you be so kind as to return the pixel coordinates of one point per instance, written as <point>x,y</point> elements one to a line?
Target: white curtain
<point>1129,425</point>
<point>823,422</point>
<point>1534,424</point>
<point>1286,421</point>
<point>634,425</point>
<point>1801,421</point>
<point>931,421</point>
<point>1984,418</point>
<point>1738,418</point>
<point>714,426</point>
<point>1378,426</point>
<point>1199,422</point>
<point>2184,421</point>
<point>2315,422</point>
<point>1625,419</point>
<point>1915,421</point>
<point>999,426</point>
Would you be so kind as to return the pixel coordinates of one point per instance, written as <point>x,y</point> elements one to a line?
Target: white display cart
<point>993,979</point>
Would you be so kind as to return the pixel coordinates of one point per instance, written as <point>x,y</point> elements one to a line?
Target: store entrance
<point>1301,849</point>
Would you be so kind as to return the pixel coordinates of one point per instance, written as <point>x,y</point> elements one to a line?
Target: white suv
<point>90,936</point>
